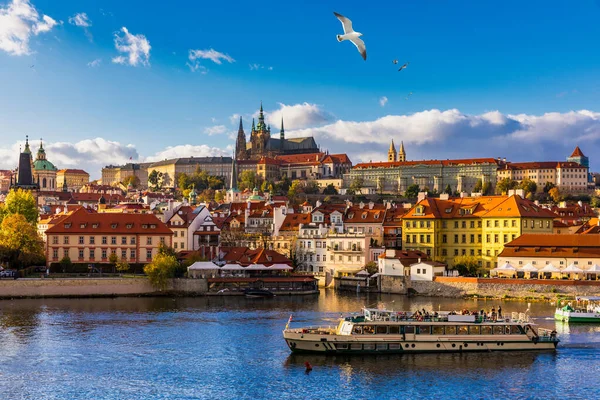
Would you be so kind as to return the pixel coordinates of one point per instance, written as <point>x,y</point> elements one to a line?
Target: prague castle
<point>261,143</point>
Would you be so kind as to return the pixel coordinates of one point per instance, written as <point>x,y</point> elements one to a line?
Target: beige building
<point>216,166</point>
<point>74,179</point>
<point>113,175</point>
<point>44,172</point>
<point>567,176</point>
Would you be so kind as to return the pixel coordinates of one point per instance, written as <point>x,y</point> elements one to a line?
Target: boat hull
<point>571,316</point>
<point>344,344</point>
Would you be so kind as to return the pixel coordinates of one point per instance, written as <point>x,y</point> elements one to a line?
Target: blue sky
<point>514,79</point>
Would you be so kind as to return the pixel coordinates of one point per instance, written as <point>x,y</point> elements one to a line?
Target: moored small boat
<point>587,309</point>
<point>257,293</point>
<point>384,331</point>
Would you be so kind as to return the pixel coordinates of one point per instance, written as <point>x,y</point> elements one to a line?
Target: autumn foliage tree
<point>19,241</point>
<point>20,202</point>
<point>162,268</point>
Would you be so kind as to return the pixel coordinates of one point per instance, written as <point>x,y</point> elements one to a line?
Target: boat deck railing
<point>445,316</point>
<point>546,335</point>
<point>315,330</point>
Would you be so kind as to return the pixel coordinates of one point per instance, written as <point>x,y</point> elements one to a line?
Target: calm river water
<point>232,348</point>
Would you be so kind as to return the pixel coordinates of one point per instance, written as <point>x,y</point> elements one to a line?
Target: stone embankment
<point>534,289</point>
<point>96,287</point>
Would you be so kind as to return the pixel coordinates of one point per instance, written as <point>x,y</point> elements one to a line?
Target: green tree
<point>20,202</point>
<point>412,192</point>
<point>357,185</point>
<point>506,184</point>
<point>295,190</point>
<point>466,265</point>
<point>310,187</point>
<point>162,268</point>
<point>183,181</point>
<point>371,267</point>
<point>556,195</point>
<point>206,196</point>
<point>20,241</point>
<point>122,265</point>
<point>166,250</point>
<point>132,180</point>
<point>548,186</point>
<point>330,190</point>
<point>113,259</point>
<point>528,186</point>
<point>486,189</point>
<point>248,180</point>
<point>448,190</point>
<point>595,201</point>
<point>65,264</point>
<point>478,188</point>
<point>219,196</point>
<point>155,178</point>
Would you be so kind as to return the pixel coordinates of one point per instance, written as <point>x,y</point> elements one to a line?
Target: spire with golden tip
<point>392,152</point>
<point>402,153</point>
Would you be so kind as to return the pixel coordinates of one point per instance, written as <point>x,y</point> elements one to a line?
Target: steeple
<point>64,188</point>
<point>41,154</point>
<point>261,120</point>
<point>402,153</point>
<point>392,152</point>
<point>27,149</point>
<point>253,128</point>
<point>233,181</point>
<point>281,135</point>
<point>240,144</point>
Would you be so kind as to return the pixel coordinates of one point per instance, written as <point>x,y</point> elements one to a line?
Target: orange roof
<point>245,256</point>
<point>445,163</point>
<point>337,159</point>
<point>577,152</point>
<point>82,221</point>
<point>269,161</point>
<point>407,255</point>
<point>553,246</point>
<point>393,216</point>
<point>300,158</point>
<point>541,165</point>
<point>516,206</point>
<point>186,213</point>
<point>292,221</point>
<point>73,171</point>
<point>357,215</point>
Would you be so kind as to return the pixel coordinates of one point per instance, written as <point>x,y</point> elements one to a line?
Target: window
<point>464,224</point>
<point>496,238</point>
<point>175,233</point>
<point>444,252</point>
<point>455,224</point>
<point>149,254</point>
<point>65,240</point>
<point>175,245</point>
<point>92,254</point>
<point>514,223</point>
<point>496,223</point>
<point>407,238</point>
<point>455,252</point>
<point>92,240</point>
<point>455,238</point>
<point>506,223</point>
<point>478,238</point>
<point>65,252</point>
<point>464,252</point>
<point>421,238</point>
<point>81,254</point>
<point>55,240</point>
<point>104,254</point>
<point>444,238</point>
<point>124,240</point>
<point>113,240</point>
<point>472,224</point>
<point>505,238</point>
<point>428,238</point>
<point>149,241</point>
<point>488,223</point>
<point>104,240</point>
<point>463,238</point>
<point>324,258</point>
<point>488,253</point>
<point>81,240</point>
<point>479,224</point>
<point>162,240</point>
<point>472,252</point>
<point>524,223</point>
<point>472,239</point>
<point>183,233</point>
<point>132,240</point>
<point>123,253</point>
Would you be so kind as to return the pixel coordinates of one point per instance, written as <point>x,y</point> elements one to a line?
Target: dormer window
<point>113,226</point>
<point>95,226</point>
<point>145,226</point>
<point>129,226</point>
<point>82,226</point>
<point>68,226</point>
<point>153,226</point>
<point>364,216</point>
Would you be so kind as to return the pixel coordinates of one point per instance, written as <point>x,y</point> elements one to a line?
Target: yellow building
<point>445,228</point>
<point>73,179</point>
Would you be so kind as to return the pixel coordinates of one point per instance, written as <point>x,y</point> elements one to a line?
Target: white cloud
<point>136,47</point>
<point>215,130</point>
<point>256,67</point>
<point>19,21</point>
<point>81,20</point>
<point>234,119</point>
<point>95,63</point>
<point>298,116</point>
<point>188,150</point>
<point>196,67</point>
<point>383,101</point>
<point>210,54</point>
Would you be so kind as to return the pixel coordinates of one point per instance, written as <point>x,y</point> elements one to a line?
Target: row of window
<point>103,254</point>
<point>488,224</point>
<point>438,329</point>
<point>104,240</point>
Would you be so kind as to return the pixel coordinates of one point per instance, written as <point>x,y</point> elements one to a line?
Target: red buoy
<point>308,366</point>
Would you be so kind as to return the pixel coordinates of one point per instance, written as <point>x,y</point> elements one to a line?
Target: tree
<point>357,185</point>
<point>555,194</point>
<point>478,188</point>
<point>528,186</point>
<point>166,250</point>
<point>162,268</point>
<point>330,190</point>
<point>310,187</point>
<point>122,265</point>
<point>548,186</point>
<point>448,190</point>
<point>113,259</point>
<point>233,238</point>
<point>595,201</point>
<point>505,184</point>
<point>486,189</point>
<point>466,265</point>
<point>295,190</point>
<point>219,196</point>
<point>20,202</point>
<point>132,180</point>
<point>206,196</point>
<point>65,264</point>
<point>155,178</point>
<point>371,267</point>
<point>20,241</point>
<point>412,191</point>
<point>248,180</point>
<point>183,181</point>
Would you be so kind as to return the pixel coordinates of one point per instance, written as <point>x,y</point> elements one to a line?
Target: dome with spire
<point>40,163</point>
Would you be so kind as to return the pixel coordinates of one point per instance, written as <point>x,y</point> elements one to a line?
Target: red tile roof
<point>82,221</point>
<point>541,165</point>
<point>577,152</point>
<point>445,163</point>
<point>292,221</point>
<point>73,171</point>
<point>553,245</point>
<point>245,256</point>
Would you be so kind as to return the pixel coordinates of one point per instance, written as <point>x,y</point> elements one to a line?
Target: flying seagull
<point>31,66</point>
<point>407,96</point>
<point>404,66</point>
<point>395,62</point>
<point>350,35</point>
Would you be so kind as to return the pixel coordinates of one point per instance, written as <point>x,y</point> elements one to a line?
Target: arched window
<point>44,183</point>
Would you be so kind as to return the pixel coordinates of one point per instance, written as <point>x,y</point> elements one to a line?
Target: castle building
<point>44,172</point>
<point>401,155</point>
<point>261,143</point>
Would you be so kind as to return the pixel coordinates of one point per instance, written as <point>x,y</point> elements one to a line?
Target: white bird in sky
<point>350,35</point>
<point>404,66</point>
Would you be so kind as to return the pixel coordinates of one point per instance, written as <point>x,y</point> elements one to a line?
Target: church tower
<point>240,144</point>
<point>392,152</point>
<point>281,137</point>
<point>260,136</point>
<point>402,153</point>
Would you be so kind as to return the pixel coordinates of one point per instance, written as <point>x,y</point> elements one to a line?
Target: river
<point>232,348</point>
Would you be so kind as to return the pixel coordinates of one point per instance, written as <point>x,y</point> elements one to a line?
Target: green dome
<point>43,165</point>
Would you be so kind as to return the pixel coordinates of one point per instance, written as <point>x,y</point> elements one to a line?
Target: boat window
<point>381,329</point>
<point>507,331</point>
<point>438,330</point>
<point>394,346</point>
<point>368,330</point>
<point>516,330</point>
<point>394,329</point>
<point>369,346</point>
<point>357,330</point>
<point>341,346</point>
<point>424,330</point>
<point>356,346</point>
<point>462,330</point>
<point>381,346</point>
<point>450,330</point>
<point>498,330</point>
<point>409,329</point>
<point>474,330</point>
<point>486,330</point>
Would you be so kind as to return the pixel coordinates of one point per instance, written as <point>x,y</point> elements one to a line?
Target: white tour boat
<point>587,309</point>
<point>384,331</point>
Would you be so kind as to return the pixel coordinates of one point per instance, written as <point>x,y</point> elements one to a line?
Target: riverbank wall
<point>534,289</point>
<point>97,287</point>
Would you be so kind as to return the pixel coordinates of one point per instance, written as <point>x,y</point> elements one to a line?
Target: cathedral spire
<point>402,153</point>
<point>261,120</point>
<point>253,128</point>
<point>233,182</point>
<point>392,152</point>
<point>281,135</point>
<point>27,149</point>
<point>240,144</point>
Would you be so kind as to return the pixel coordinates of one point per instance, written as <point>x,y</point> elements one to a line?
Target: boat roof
<point>588,298</point>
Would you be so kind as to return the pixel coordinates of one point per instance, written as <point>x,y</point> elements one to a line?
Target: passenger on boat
<point>499,312</point>
<point>493,314</point>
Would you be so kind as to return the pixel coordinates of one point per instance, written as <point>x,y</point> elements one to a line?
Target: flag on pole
<point>288,323</point>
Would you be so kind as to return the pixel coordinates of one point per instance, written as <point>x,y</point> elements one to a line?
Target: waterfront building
<point>261,143</point>
<point>433,175</point>
<point>183,222</point>
<point>445,228</point>
<point>44,172</point>
<point>90,237</point>
<point>559,251</point>
<point>71,179</point>
<point>394,262</point>
<point>368,219</point>
<point>5,178</point>
<point>346,253</point>
<point>392,225</point>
